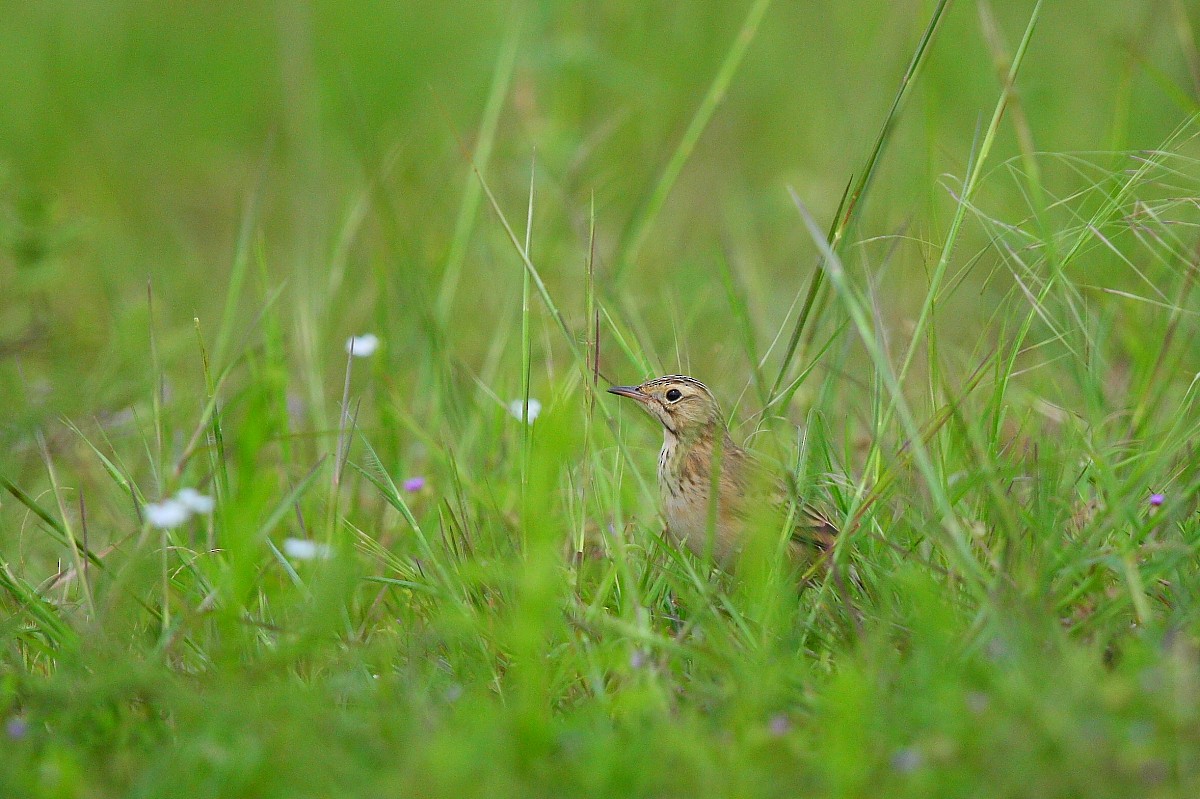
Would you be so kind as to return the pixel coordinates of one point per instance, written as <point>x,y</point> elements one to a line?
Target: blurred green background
<point>200,202</point>
<point>133,136</point>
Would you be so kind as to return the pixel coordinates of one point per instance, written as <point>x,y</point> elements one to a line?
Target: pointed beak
<point>633,392</point>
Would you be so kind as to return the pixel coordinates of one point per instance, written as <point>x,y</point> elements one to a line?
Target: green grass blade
<point>958,550</point>
<point>854,199</point>
<point>643,222</point>
<point>468,211</point>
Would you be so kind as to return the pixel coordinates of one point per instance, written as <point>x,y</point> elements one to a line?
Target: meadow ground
<point>938,260</point>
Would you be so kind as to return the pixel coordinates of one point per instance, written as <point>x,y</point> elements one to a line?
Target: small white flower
<point>304,549</point>
<point>194,501</point>
<point>166,514</point>
<point>362,346</point>
<point>517,406</point>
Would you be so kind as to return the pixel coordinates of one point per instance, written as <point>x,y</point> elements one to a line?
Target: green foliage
<point>938,259</point>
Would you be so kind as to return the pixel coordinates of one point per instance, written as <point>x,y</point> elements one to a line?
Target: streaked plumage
<point>694,434</point>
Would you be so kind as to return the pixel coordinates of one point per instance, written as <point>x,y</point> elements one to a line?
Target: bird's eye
<point>673,395</point>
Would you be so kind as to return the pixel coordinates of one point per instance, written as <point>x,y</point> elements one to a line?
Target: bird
<point>694,435</point>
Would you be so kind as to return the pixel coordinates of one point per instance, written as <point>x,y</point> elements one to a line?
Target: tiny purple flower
<point>1157,499</point>
<point>414,484</point>
<point>779,725</point>
<point>907,760</point>
<point>16,728</point>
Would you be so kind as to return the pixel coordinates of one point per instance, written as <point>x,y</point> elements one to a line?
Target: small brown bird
<point>694,433</point>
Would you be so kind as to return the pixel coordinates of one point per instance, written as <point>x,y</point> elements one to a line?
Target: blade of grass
<point>241,259</point>
<point>578,355</point>
<point>1110,208</point>
<point>210,418</point>
<point>526,351</point>
<point>468,210</point>
<point>970,184</point>
<point>853,199</point>
<point>744,325</point>
<point>644,220</point>
<point>74,545</point>
<point>286,505</point>
<point>380,478</point>
<point>43,614</point>
<point>157,394</point>
<point>111,468</point>
<point>959,551</point>
<point>56,528</point>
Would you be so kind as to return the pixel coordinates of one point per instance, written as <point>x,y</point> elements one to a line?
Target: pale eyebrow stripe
<point>678,379</point>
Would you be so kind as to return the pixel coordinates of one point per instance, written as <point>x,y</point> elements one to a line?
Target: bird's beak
<point>633,392</point>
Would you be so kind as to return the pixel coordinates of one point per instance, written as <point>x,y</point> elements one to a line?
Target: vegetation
<point>937,260</point>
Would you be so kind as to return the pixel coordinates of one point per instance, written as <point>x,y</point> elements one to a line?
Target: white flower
<point>166,514</point>
<point>362,346</point>
<point>194,501</point>
<point>517,406</point>
<point>304,549</point>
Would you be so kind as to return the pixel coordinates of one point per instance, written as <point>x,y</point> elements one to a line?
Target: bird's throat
<point>687,460</point>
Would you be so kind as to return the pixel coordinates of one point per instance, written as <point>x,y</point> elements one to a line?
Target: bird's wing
<point>759,485</point>
<point>814,528</point>
<point>814,525</point>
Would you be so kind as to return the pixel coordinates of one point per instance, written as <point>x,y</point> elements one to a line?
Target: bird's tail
<point>814,528</point>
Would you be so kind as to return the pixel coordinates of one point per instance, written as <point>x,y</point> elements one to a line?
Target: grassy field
<point>937,260</point>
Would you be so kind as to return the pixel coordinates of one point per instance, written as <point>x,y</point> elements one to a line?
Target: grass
<point>937,259</point>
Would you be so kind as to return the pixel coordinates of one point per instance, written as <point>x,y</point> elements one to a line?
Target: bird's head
<point>683,404</point>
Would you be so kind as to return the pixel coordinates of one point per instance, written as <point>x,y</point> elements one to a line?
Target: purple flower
<point>907,760</point>
<point>16,728</point>
<point>779,725</point>
<point>414,484</point>
<point>1157,499</point>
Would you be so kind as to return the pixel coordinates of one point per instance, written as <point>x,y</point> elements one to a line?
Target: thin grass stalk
<point>210,418</point>
<point>158,392</point>
<point>577,354</point>
<point>643,222</point>
<point>1108,209</point>
<point>970,184</point>
<point>853,199</point>
<point>73,545</point>
<point>468,210</point>
<point>592,344</point>
<point>241,260</point>
<point>959,552</point>
<point>526,355</point>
